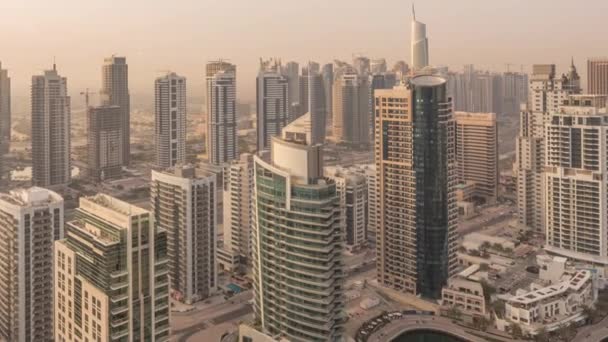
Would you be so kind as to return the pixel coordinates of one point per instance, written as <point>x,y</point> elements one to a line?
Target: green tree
<point>542,336</point>
<point>516,331</point>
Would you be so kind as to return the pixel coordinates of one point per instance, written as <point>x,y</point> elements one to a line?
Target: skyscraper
<point>221,112</point>
<point>327,73</point>
<point>272,92</point>
<point>184,205</point>
<point>362,65</point>
<point>115,92</point>
<point>170,112</point>
<point>111,275</point>
<point>477,153</point>
<point>515,92</point>
<point>415,159</point>
<point>238,192</point>
<point>292,72</point>
<point>351,186</point>
<point>30,221</point>
<point>351,122</point>
<point>576,168</point>
<point>297,241</point>
<point>5,111</point>
<point>50,129</point>
<point>547,91</point>
<point>378,66</point>
<point>419,44</point>
<point>104,142</point>
<point>383,80</point>
<point>597,76</point>
<point>312,100</point>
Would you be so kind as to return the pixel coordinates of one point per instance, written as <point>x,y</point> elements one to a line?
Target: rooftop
<point>427,81</point>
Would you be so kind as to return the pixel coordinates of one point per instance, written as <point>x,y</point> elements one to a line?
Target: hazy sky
<point>181,35</point>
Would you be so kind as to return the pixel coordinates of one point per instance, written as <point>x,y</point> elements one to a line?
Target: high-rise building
<point>546,92</point>
<point>50,129</point>
<point>221,112</point>
<point>385,80</point>
<point>111,275</point>
<point>184,205</point>
<point>272,92</point>
<point>419,44</point>
<point>597,76</point>
<point>477,153</point>
<point>104,142</point>
<point>238,192</point>
<point>312,100</point>
<point>292,72</point>
<point>297,241</point>
<point>378,66</point>
<point>5,111</point>
<point>514,92</point>
<point>170,112</point>
<point>416,238</point>
<point>362,65</point>
<point>352,189</point>
<point>115,92</point>
<point>30,221</point>
<point>327,73</point>
<point>401,69</point>
<point>351,110</point>
<point>575,175</point>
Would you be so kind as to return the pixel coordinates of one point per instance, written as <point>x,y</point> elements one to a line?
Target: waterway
<point>426,336</point>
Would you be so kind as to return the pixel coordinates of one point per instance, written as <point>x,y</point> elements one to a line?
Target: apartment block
<point>170,124</point>
<point>104,142</point>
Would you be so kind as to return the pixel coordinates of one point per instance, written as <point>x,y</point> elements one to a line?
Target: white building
<point>576,179</point>
<point>465,294</point>
<point>184,204</point>
<point>272,91</point>
<point>30,221</point>
<point>351,111</point>
<point>547,91</point>
<point>50,129</point>
<point>552,306</point>
<point>419,44</point>
<point>170,113</point>
<point>221,112</point>
<point>238,192</point>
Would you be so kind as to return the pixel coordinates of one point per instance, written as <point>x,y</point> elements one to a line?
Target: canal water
<point>426,336</point>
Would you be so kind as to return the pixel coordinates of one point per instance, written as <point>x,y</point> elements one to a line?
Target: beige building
<point>466,295</point>
<point>104,142</point>
<point>416,187</point>
<point>576,172</point>
<point>51,115</point>
<point>221,112</point>
<point>351,106</point>
<point>30,221</point>
<point>477,153</point>
<point>111,275</point>
<point>547,91</point>
<point>5,111</point>
<point>597,76</point>
<point>184,205</point>
<point>170,124</point>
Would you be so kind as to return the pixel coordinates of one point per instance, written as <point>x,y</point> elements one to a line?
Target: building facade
<point>272,92</point>
<point>5,111</point>
<point>30,221</point>
<point>547,91</point>
<point>352,189</point>
<point>104,142</point>
<point>184,205</point>
<point>170,124</point>
<point>115,92</point>
<point>291,70</point>
<point>597,76</point>
<point>238,195</point>
<point>416,235</point>
<point>477,153</point>
<point>419,44</point>
<point>111,275</point>
<point>351,124</point>
<point>221,112</point>
<point>50,130</point>
<point>576,188</point>
<point>297,241</point>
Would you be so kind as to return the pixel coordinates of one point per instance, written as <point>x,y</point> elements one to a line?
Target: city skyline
<point>499,41</point>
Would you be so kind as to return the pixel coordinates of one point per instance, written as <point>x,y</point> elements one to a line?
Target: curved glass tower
<point>297,242</point>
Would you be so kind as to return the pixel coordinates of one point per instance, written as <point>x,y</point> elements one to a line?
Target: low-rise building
<point>465,294</point>
<point>552,306</point>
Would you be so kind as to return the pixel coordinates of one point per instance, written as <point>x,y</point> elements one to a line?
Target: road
<point>593,333</point>
<point>410,323</point>
<point>490,217</point>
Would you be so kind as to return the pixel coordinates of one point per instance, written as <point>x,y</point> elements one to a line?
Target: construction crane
<point>86,94</point>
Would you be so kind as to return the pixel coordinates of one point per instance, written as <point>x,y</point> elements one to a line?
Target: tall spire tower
<point>419,43</point>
